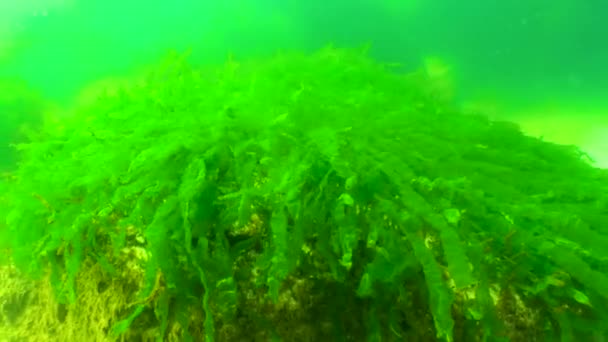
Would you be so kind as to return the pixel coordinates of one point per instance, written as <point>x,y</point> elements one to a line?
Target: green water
<point>303,171</point>
<point>526,49</point>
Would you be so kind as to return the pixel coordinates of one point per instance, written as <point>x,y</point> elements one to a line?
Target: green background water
<point>525,48</point>
<point>528,58</point>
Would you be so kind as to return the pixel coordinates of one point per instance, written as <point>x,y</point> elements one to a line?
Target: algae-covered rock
<point>317,197</point>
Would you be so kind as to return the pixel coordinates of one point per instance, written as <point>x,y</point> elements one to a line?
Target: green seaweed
<point>325,182</point>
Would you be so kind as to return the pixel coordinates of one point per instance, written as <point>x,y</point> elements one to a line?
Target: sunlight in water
<point>585,126</point>
<point>571,125</point>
